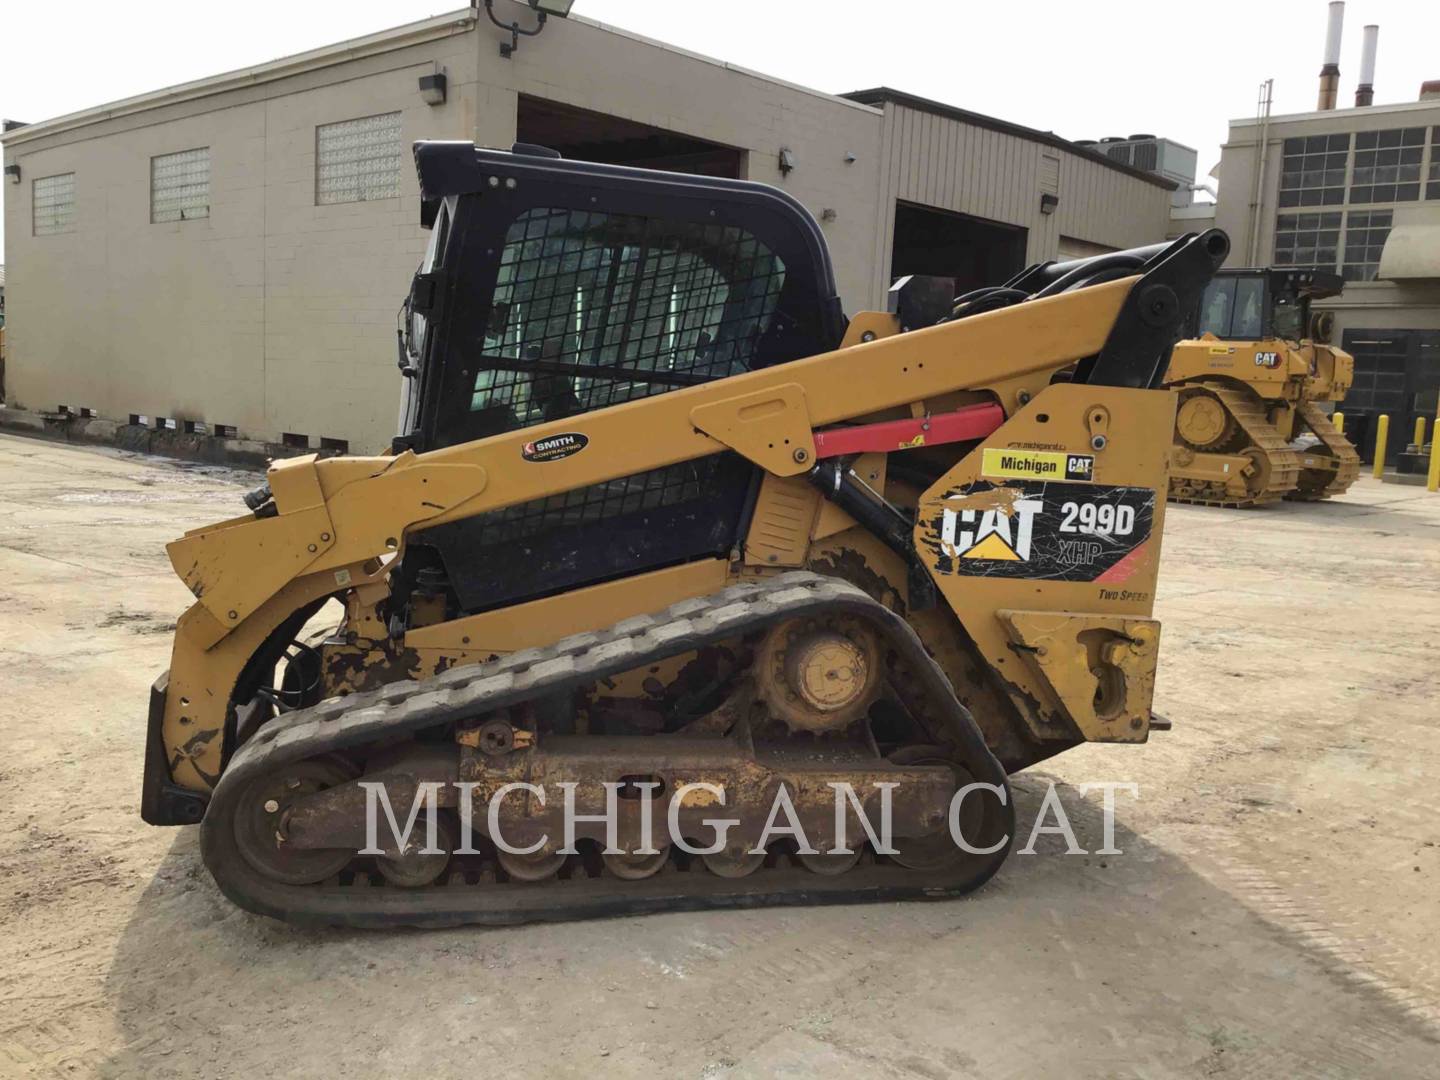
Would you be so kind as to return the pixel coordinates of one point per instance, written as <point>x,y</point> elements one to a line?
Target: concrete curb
<point>97,431</point>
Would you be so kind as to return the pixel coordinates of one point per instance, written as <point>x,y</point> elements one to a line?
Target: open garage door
<point>583,135</point>
<point>974,251</point>
<point>1073,248</point>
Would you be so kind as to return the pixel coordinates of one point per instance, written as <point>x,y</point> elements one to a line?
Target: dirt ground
<point>1274,912</point>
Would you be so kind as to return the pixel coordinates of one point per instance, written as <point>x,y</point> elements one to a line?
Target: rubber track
<point>1249,413</point>
<point>399,710</point>
<point>1340,447</point>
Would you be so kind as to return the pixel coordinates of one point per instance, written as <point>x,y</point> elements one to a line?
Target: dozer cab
<point>1251,377</point>
<point>666,541</point>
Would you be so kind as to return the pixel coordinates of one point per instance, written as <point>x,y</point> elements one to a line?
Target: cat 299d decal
<point>1037,529</point>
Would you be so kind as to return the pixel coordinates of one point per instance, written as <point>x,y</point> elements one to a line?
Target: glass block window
<point>180,185</point>
<point>358,160</point>
<point>1365,235</point>
<point>594,309</point>
<point>1308,240</point>
<point>52,204</point>
<point>1432,186</point>
<point>1312,170</point>
<point>1387,165</point>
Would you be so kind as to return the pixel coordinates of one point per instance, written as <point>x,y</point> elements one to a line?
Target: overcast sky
<point>1082,70</point>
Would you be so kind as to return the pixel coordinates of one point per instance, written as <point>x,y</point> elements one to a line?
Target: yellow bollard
<point>1432,481</point>
<point>1338,419</point>
<point>1382,436</point>
<point>1419,439</point>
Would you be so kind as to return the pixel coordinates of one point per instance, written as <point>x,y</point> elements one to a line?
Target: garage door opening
<point>1074,248</point>
<point>591,136</point>
<point>974,251</point>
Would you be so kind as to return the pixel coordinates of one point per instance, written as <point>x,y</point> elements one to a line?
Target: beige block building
<point>1355,191</point>
<point>228,255</point>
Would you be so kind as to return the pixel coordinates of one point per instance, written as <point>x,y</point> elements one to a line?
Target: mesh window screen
<point>52,204</point>
<point>668,487</point>
<point>180,185</point>
<point>358,160</point>
<point>594,309</point>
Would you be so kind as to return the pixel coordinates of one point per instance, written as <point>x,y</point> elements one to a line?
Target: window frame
<point>1257,285</point>
<point>1431,175</point>
<point>1316,230</point>
<point>155,161</point>
<point>362,193</point>
<point>1366,269</point>
<point>808,321</point>
<point>1317,157</point>
<point>1383,161</point>
<point>68,225</point>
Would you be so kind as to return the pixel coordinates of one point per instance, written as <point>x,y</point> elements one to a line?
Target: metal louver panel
<point>180,185</point>
<point>1050,173</point>
<point>358,160</point>
<point>52,204</point>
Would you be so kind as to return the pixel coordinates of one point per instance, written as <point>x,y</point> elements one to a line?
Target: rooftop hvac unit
<point>1151,154</point>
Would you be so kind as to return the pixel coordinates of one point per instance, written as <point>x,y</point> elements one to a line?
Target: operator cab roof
<point>1304,281</point>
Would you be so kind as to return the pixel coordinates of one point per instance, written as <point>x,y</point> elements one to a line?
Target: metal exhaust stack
<point>1365,92</point>
<point>1330,73</point>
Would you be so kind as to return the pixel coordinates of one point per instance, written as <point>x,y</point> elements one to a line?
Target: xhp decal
<point>1055,531</point>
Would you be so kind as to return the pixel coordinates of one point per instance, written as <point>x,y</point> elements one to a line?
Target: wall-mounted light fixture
<point>432,88</point>
<point>1048,203</point>
<point>543,9</point>
<point>12,173</point>
<point>787,161</point>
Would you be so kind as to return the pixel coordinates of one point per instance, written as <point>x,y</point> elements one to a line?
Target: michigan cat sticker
<point>1036,465</point>
<point>1052,531</point>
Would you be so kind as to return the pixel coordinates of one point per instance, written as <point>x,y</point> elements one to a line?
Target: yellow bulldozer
<point>1251,378</point>
<point>668,551</point>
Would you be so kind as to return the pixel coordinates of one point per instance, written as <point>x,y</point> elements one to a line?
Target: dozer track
<point>1280,467</point>
<point>475,889</point>
<point>1330,479</point>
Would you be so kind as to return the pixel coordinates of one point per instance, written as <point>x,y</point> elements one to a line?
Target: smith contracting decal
<point>1036,465</point>
<point>1055,531</point>
<point>555,447</point>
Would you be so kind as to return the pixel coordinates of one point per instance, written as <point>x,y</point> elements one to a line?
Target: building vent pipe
<point>1330,73</point>
<point>1365,92</point>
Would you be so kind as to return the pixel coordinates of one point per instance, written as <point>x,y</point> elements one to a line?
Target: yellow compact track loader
<point>1249,429</point>
<point>665,541</point>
